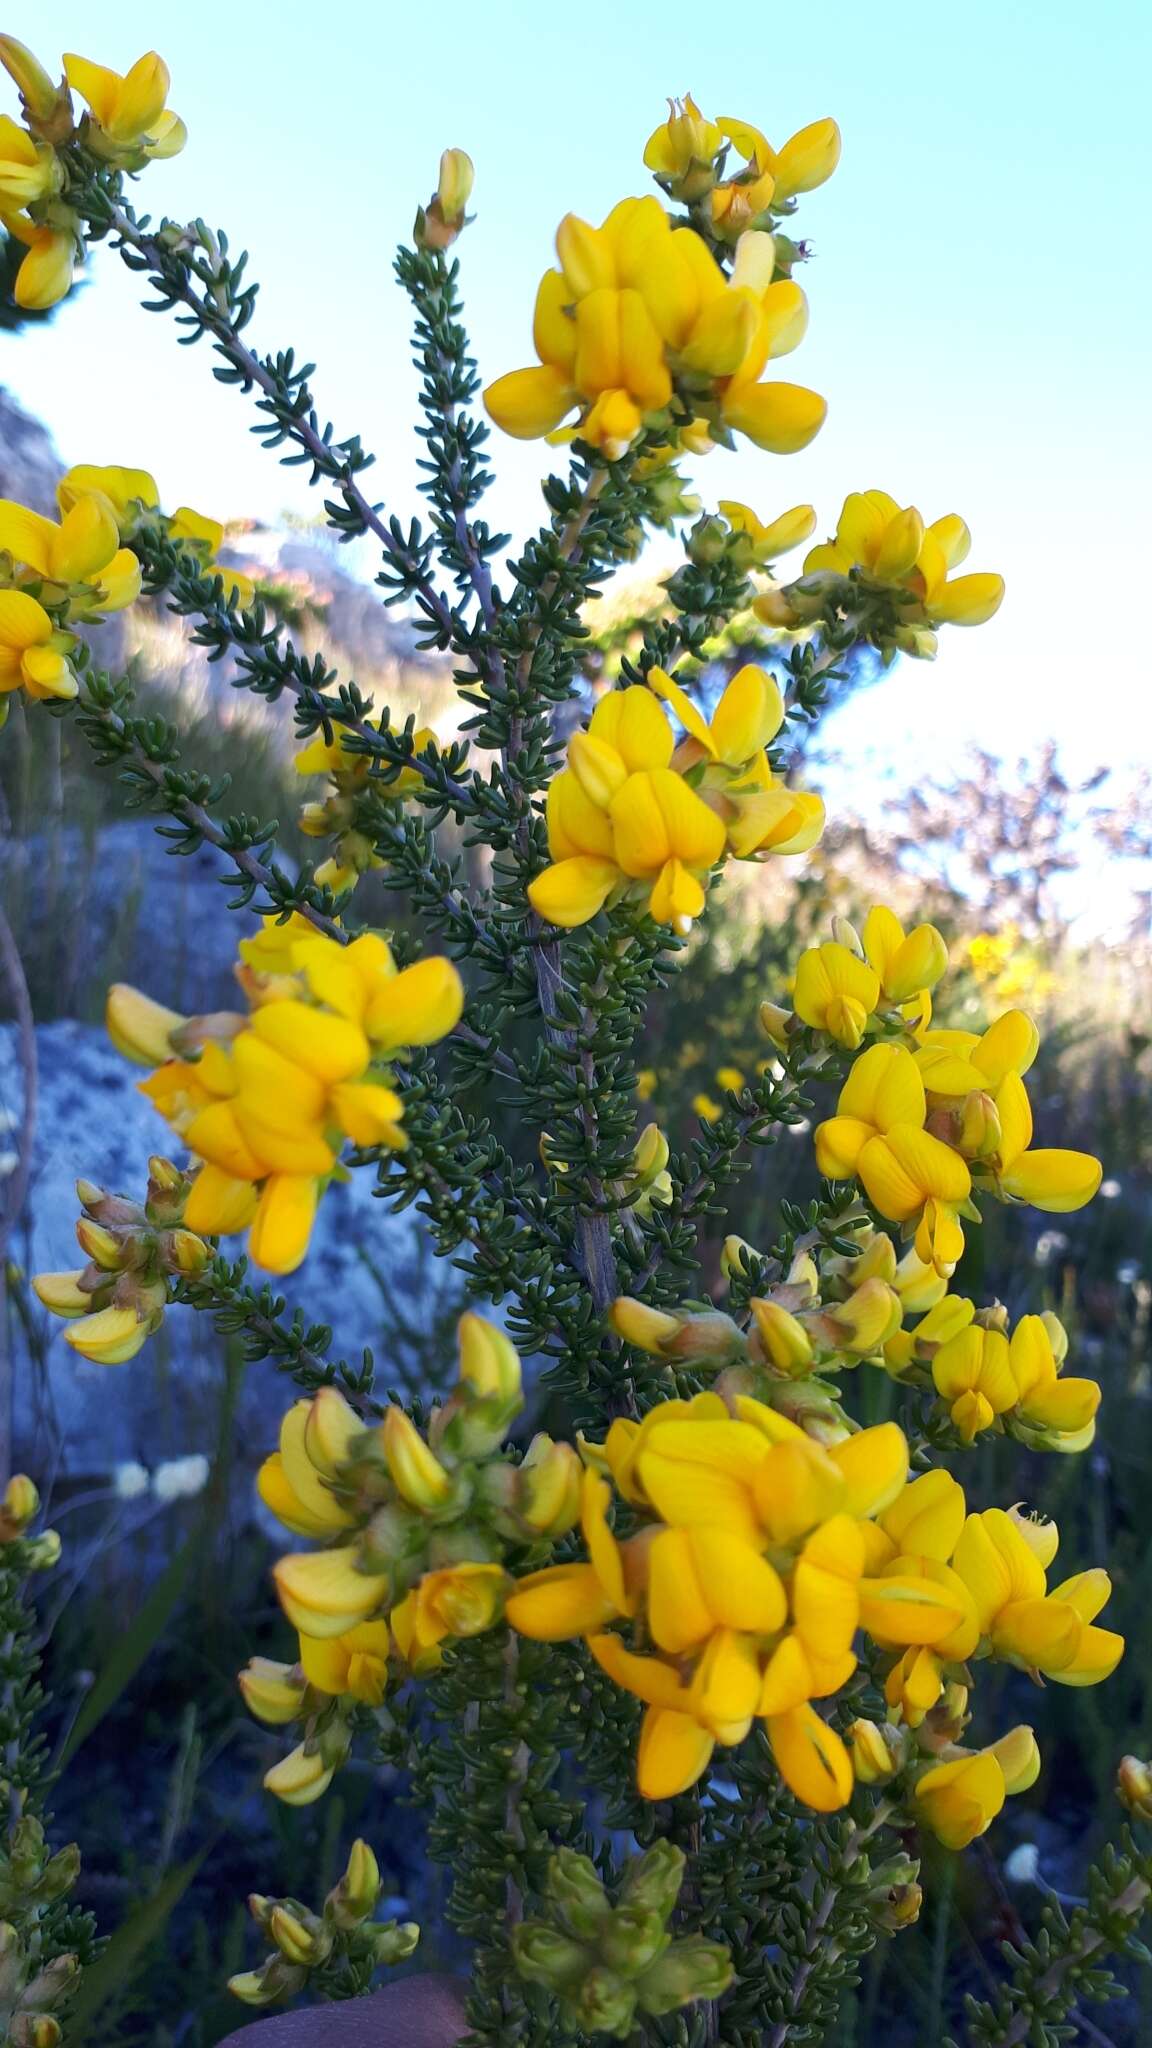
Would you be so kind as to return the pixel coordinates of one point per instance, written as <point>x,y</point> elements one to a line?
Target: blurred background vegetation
<point>164,1589</point>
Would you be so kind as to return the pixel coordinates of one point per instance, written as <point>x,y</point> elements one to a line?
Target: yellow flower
<point>459,1600</point>
<point>1048,1632</point>
<point>46,272</point>
<point>439,224</point>
<point>836,992</point>
<point>293,1481</point>
<point>878,1135</point>
<point>325,1593</point>
<point>568,1600</point>
<point>639,310</point>
<point>960,1799</point>
<point>353,1665</point>
<point>39,96</point>
<point>272,1692</point>
<point>807,160</point>
<point>973,1373</point>
<point>32,652</point>
<point>77,550</point>
<point>1057,1180</point>
<point>29,171</point>
<point>764,543</point>
<point>892,551</point>
<point>131,493</point>
<point>266,1106</point>
<point>205,537</point>
<point>1056,1412</point>
<point>747,718</point>
<point>128,116</point>
<point>906,965</point>
<point>300,1778</point>
<point>416,1473</point>
<point>682,149</point>
<point>112,1335</point>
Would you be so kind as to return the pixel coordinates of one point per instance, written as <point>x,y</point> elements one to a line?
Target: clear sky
<point>980,295</point>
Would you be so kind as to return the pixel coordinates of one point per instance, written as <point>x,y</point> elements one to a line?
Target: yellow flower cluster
<point>642,329</point>
<point>335,818</point>
<point>265,1101</point>
<point>687,154</point>
<point>758,1557</point>
<point>134,1249</point>
<point>127,124</point>
<point>416,1529</point>
<point>891,574</point>
<point>998,1563</point>
<point>926,1117</point>
<point>986,1375</point>
<point>75,570</point>
<point>634,814</point>
<point>831,1312</point>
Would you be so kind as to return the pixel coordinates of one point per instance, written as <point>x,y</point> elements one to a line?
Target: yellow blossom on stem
<point>128,117</point>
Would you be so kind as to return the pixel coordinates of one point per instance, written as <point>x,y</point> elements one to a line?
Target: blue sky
<point>980,295</point>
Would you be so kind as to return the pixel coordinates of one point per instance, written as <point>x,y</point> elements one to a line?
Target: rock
<point>114,899</point>
<point>29,464</point>
<point>370,1273</point>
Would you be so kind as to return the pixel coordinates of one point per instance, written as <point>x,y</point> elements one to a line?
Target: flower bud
<point>34,2030</point>
<point>543,1955</point>
<point>783,1340</point>
<point>165,1178</point>
<point>299,1778</point>
<point>454,188</point>
<point>273,1693</point>
<point>21,1505</point>
<point>1057,1336</point>
<point>331,1431</point>
<point>738,1257</point>
<point>301,1939</point>
<point>138,1027</point>
<point>415,1471</point>
<point>489,1362</point>
<point>980,1134</point>
<point>604,2003</point>
<point>650,1154</point>
<point>897,1908</point>
<point>877,1751</point>
<point>654,1879</point>
<point>394,1942</point>
<point>548,1488</point>
<point>44,1552</point>
<point>59,1874</point>
<point>1134,1787</point>
<point>103,1248</point>
<point>62,1293</point>
<point>864,1323</point>
<point>633,1938</point>
<point>649,1329</point>
<point>438,224</point>
<point>691,1968</point>
<point>575,1889</point>
<point>189,1253</point>
<point>774,1023</point>
<point>707,542</point>
<point>846,935</point>
<point>354,1898</point>
<point>277,1979</point>
<point>42,101</point>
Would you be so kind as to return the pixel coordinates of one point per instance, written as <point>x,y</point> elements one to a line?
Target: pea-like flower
<point>266,1103</point>
<point>639,312</point>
